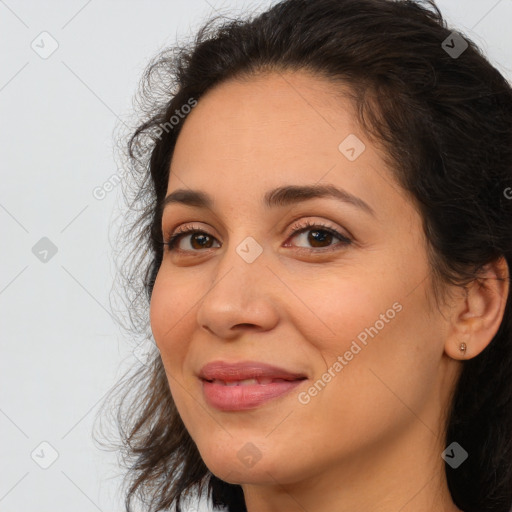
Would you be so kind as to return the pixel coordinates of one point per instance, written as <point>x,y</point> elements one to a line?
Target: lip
<point>246,396</point>
<point>241,370</point>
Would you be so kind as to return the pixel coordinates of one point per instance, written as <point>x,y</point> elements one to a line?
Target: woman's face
<point>348,311</point>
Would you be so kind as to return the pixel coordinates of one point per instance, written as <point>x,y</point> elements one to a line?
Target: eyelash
<point>297,229</point>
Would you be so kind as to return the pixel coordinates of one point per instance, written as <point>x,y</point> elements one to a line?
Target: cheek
<point>168,310</point>
<point>334,312</point>
<point>381,335</point>
<point>170,326</point>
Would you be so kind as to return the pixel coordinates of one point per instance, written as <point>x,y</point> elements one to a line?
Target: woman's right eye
<point>202,238</point>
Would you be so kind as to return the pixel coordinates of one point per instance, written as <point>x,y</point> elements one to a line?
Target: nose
<point>242,295</point>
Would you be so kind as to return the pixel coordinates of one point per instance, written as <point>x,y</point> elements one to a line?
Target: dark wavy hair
<point>445,123</point>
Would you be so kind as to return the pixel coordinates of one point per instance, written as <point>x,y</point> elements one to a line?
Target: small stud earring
<point>463,348</point>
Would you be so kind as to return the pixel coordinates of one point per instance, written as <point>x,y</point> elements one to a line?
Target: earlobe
<point>478,316</point>
<point>458,345</point>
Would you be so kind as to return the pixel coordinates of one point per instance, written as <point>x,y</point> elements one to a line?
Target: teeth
<point>248,382</point>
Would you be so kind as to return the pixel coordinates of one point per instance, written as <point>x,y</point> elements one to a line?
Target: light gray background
<point>61,351</point>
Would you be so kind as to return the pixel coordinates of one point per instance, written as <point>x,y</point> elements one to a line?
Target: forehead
<point>245,137</point>
<point>264,105</point>
<point>271,122</point>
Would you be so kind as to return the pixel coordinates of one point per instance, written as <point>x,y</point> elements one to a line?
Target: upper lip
<point>241,370</point>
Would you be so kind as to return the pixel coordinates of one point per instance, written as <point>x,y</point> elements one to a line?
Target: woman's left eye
<point>318,234</point>
<point>320,237</point>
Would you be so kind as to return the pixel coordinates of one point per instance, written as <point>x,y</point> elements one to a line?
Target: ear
<point>478,312</point>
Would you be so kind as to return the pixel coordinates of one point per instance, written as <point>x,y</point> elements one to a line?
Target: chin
<point>248,464</point>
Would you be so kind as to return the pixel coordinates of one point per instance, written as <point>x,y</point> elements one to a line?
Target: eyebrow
<point>278,197</point>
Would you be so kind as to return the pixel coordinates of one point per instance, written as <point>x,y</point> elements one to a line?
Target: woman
<point>324,232</point>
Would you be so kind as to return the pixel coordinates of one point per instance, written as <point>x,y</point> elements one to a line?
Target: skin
<point>372,438</point>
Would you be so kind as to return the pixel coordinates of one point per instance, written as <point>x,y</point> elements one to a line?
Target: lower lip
<point>239,398</point>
